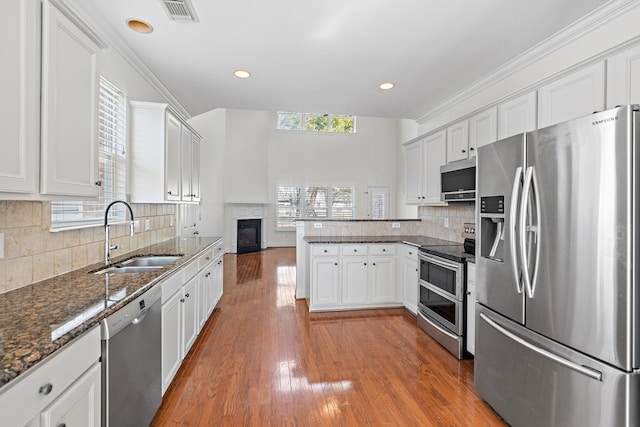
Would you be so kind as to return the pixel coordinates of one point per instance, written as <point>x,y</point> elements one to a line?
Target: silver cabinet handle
<point>187,295</point>
<point>45,389</point>
<point>181,299</point>
<point>590,372</point>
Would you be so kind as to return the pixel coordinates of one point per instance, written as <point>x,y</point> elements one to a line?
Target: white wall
<point>212,127</point>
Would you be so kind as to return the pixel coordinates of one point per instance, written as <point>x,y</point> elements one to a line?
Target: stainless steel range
<point>442,292</point>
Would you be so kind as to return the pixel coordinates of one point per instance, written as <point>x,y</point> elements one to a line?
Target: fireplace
<point>249,235</point>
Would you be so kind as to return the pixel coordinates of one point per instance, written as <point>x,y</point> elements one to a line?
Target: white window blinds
<point>312,202</point>
<point>112,119</point>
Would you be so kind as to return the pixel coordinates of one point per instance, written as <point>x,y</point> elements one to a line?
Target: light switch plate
<point>446,223</point>
<point>1,245</point>
<point>147,224</point>
<point>317,225</point>
<point>136,226</point>
<point>395,225</point>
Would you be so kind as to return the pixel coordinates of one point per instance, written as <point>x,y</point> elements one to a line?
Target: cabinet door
<point>79,405</point>
<point>195,169</point>
<point>219,281</point>
<point>189,315</point>
<point>70,84</point>
<point>458,141</point>
<point>354,280</point>
<point>325,276</point>
<point>410,281</point>
<point>483,129</point>
<point>172,157</point>
<point>185,145</point>
<point>471,308</point>
<point>435,155</point>
<point>19,85</point>
<point>517,115</point>
<point>623,78</point>
<point>203,297</point>
<point>578,94</point>
<point>413,187</point>
<point>382,279</point>
<point>171,338</point>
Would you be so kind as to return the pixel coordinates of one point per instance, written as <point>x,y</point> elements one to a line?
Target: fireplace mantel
<point>236,211</point>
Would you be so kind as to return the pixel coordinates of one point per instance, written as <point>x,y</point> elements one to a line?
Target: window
<point>311,122</point>
<point>112,113</point>
<point>321,202</point>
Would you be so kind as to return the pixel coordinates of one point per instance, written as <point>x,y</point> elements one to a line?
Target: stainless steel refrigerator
<point>557,309</point>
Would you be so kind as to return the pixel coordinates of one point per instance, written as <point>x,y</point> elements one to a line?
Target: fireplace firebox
<point>249,235</point>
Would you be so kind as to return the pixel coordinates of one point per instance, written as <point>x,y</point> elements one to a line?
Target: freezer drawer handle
<point>441,329</point>
<point>592,373</point>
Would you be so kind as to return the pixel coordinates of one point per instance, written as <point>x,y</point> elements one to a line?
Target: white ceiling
<point>330,56</point>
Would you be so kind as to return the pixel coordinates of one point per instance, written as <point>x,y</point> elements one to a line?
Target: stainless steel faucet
<point>107,245</point>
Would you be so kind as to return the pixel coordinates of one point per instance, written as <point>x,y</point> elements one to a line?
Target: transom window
<point>321,202</point>
<point>112,116</point>
<point>314,122</point>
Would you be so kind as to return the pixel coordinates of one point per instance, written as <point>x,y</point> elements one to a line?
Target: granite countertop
<point>39,319</point>
<point>410,240</point>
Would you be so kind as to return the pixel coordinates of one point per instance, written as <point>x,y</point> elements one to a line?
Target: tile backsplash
<point>32,253</point>
<point>433,219</point>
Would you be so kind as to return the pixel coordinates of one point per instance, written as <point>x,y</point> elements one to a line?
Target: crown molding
<point>114,41</point>
<point>584,25</point>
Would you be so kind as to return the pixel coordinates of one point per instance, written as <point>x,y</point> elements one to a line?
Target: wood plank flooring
<point>263,360</point>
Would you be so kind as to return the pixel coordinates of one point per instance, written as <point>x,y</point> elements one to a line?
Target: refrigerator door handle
<point>584,370</point>
<point>524,205</point>
<point>513,228</point>
<point>535,230</point>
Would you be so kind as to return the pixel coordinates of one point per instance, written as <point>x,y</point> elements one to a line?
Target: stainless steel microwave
<point>458,181</point>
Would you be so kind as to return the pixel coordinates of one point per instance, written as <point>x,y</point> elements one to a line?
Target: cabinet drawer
<point>409,251</point>
<point>171,285</point>
<point>382,249</point>
<point>324,250</point>
<point>189,271</point>
<point>21,401</point>
<point>354,250</point>
<point>205,259</point>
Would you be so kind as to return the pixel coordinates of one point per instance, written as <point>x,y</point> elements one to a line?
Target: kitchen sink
<point>133,269</point>
<point>138,265</point>
<point>148,261</point>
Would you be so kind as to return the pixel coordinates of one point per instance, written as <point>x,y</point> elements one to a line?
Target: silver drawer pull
<point>46,389</point>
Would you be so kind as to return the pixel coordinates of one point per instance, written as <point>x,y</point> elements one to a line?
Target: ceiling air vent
<point>180,10</point>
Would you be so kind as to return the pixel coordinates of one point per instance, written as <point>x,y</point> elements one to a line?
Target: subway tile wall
<point>32,253</point>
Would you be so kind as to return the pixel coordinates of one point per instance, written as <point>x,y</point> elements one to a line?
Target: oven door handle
<point>437,261</point>
<point>438,327</point>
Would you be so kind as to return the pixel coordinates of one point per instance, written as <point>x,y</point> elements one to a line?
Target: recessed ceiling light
<point>139,26</point>
<point>242,74</point>
<point>387,85</point>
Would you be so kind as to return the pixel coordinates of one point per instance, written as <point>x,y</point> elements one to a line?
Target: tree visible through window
<point>312,122</point>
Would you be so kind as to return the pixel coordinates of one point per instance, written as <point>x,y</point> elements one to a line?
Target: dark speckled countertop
<point>39,319</point>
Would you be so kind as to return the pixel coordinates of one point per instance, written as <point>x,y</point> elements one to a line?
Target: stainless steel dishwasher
<point>131,365</point>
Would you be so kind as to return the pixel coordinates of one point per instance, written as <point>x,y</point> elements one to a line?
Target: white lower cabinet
<point>409,277</point>
<point>64,389</point>
<point>188,298</point>
<point>352,276</point>
<point>79,405</point>
<point>471,307</point>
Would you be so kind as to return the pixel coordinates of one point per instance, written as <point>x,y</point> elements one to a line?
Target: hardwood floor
<point>263,360</point>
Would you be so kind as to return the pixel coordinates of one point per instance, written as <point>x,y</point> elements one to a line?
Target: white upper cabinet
<point>424,158</point>
<point>162,155</point>
<point>458,141</point>
<point>20,87</point>
<point>483,129</point>
<point>623,78</point>
<point>413,187</point>
<point>70,85</point>
<point>517,115</point>
<point>578,94</point>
